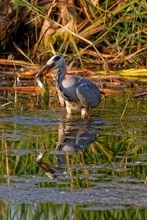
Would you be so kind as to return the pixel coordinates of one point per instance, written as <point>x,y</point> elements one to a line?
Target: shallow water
<point>53,167</point>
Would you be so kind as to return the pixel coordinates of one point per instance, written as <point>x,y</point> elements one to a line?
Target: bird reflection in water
<point>73,137</point>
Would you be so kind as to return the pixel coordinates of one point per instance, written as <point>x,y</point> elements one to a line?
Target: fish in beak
<point>46,69</point>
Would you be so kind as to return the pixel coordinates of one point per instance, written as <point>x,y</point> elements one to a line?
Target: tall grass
<point>99,32</point>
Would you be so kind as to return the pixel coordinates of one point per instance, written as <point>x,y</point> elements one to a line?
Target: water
<point>53,167</point>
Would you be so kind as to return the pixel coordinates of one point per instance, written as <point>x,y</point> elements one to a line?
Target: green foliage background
<point>90,31</point>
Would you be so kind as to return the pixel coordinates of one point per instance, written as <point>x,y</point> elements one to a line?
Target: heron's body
<point>75,93</point>
<point>78,93</point>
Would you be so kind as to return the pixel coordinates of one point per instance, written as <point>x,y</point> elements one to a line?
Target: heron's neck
<point>59,78</point>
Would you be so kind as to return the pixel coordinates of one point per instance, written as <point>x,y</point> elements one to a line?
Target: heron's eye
<point>57,58</point>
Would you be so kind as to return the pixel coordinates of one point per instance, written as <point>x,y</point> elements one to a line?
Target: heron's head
<point>53,63</point>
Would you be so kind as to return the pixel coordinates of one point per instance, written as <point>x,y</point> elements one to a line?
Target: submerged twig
<point>140,95</point>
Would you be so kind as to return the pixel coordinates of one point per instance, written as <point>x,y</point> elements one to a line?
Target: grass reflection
<point>110,147</point>
<point>66,212</point>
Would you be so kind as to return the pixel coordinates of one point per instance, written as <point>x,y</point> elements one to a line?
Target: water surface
<point>54,167</point>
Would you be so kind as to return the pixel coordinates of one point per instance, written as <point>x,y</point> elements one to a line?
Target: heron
<point>74,92</point>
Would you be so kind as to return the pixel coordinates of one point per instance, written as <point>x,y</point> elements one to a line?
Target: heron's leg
<point>84,113</point>
<point>68,109</point>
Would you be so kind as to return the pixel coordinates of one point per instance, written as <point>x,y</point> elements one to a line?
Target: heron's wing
<point>88,94</point>
<point>69,88</point>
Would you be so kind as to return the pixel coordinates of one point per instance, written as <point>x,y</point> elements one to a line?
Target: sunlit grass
<point>106,32</point>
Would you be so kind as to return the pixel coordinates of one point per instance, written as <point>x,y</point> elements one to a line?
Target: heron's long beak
<point>46,69</point>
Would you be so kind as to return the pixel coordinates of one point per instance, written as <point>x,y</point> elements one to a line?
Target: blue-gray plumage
<point>74,92</point>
